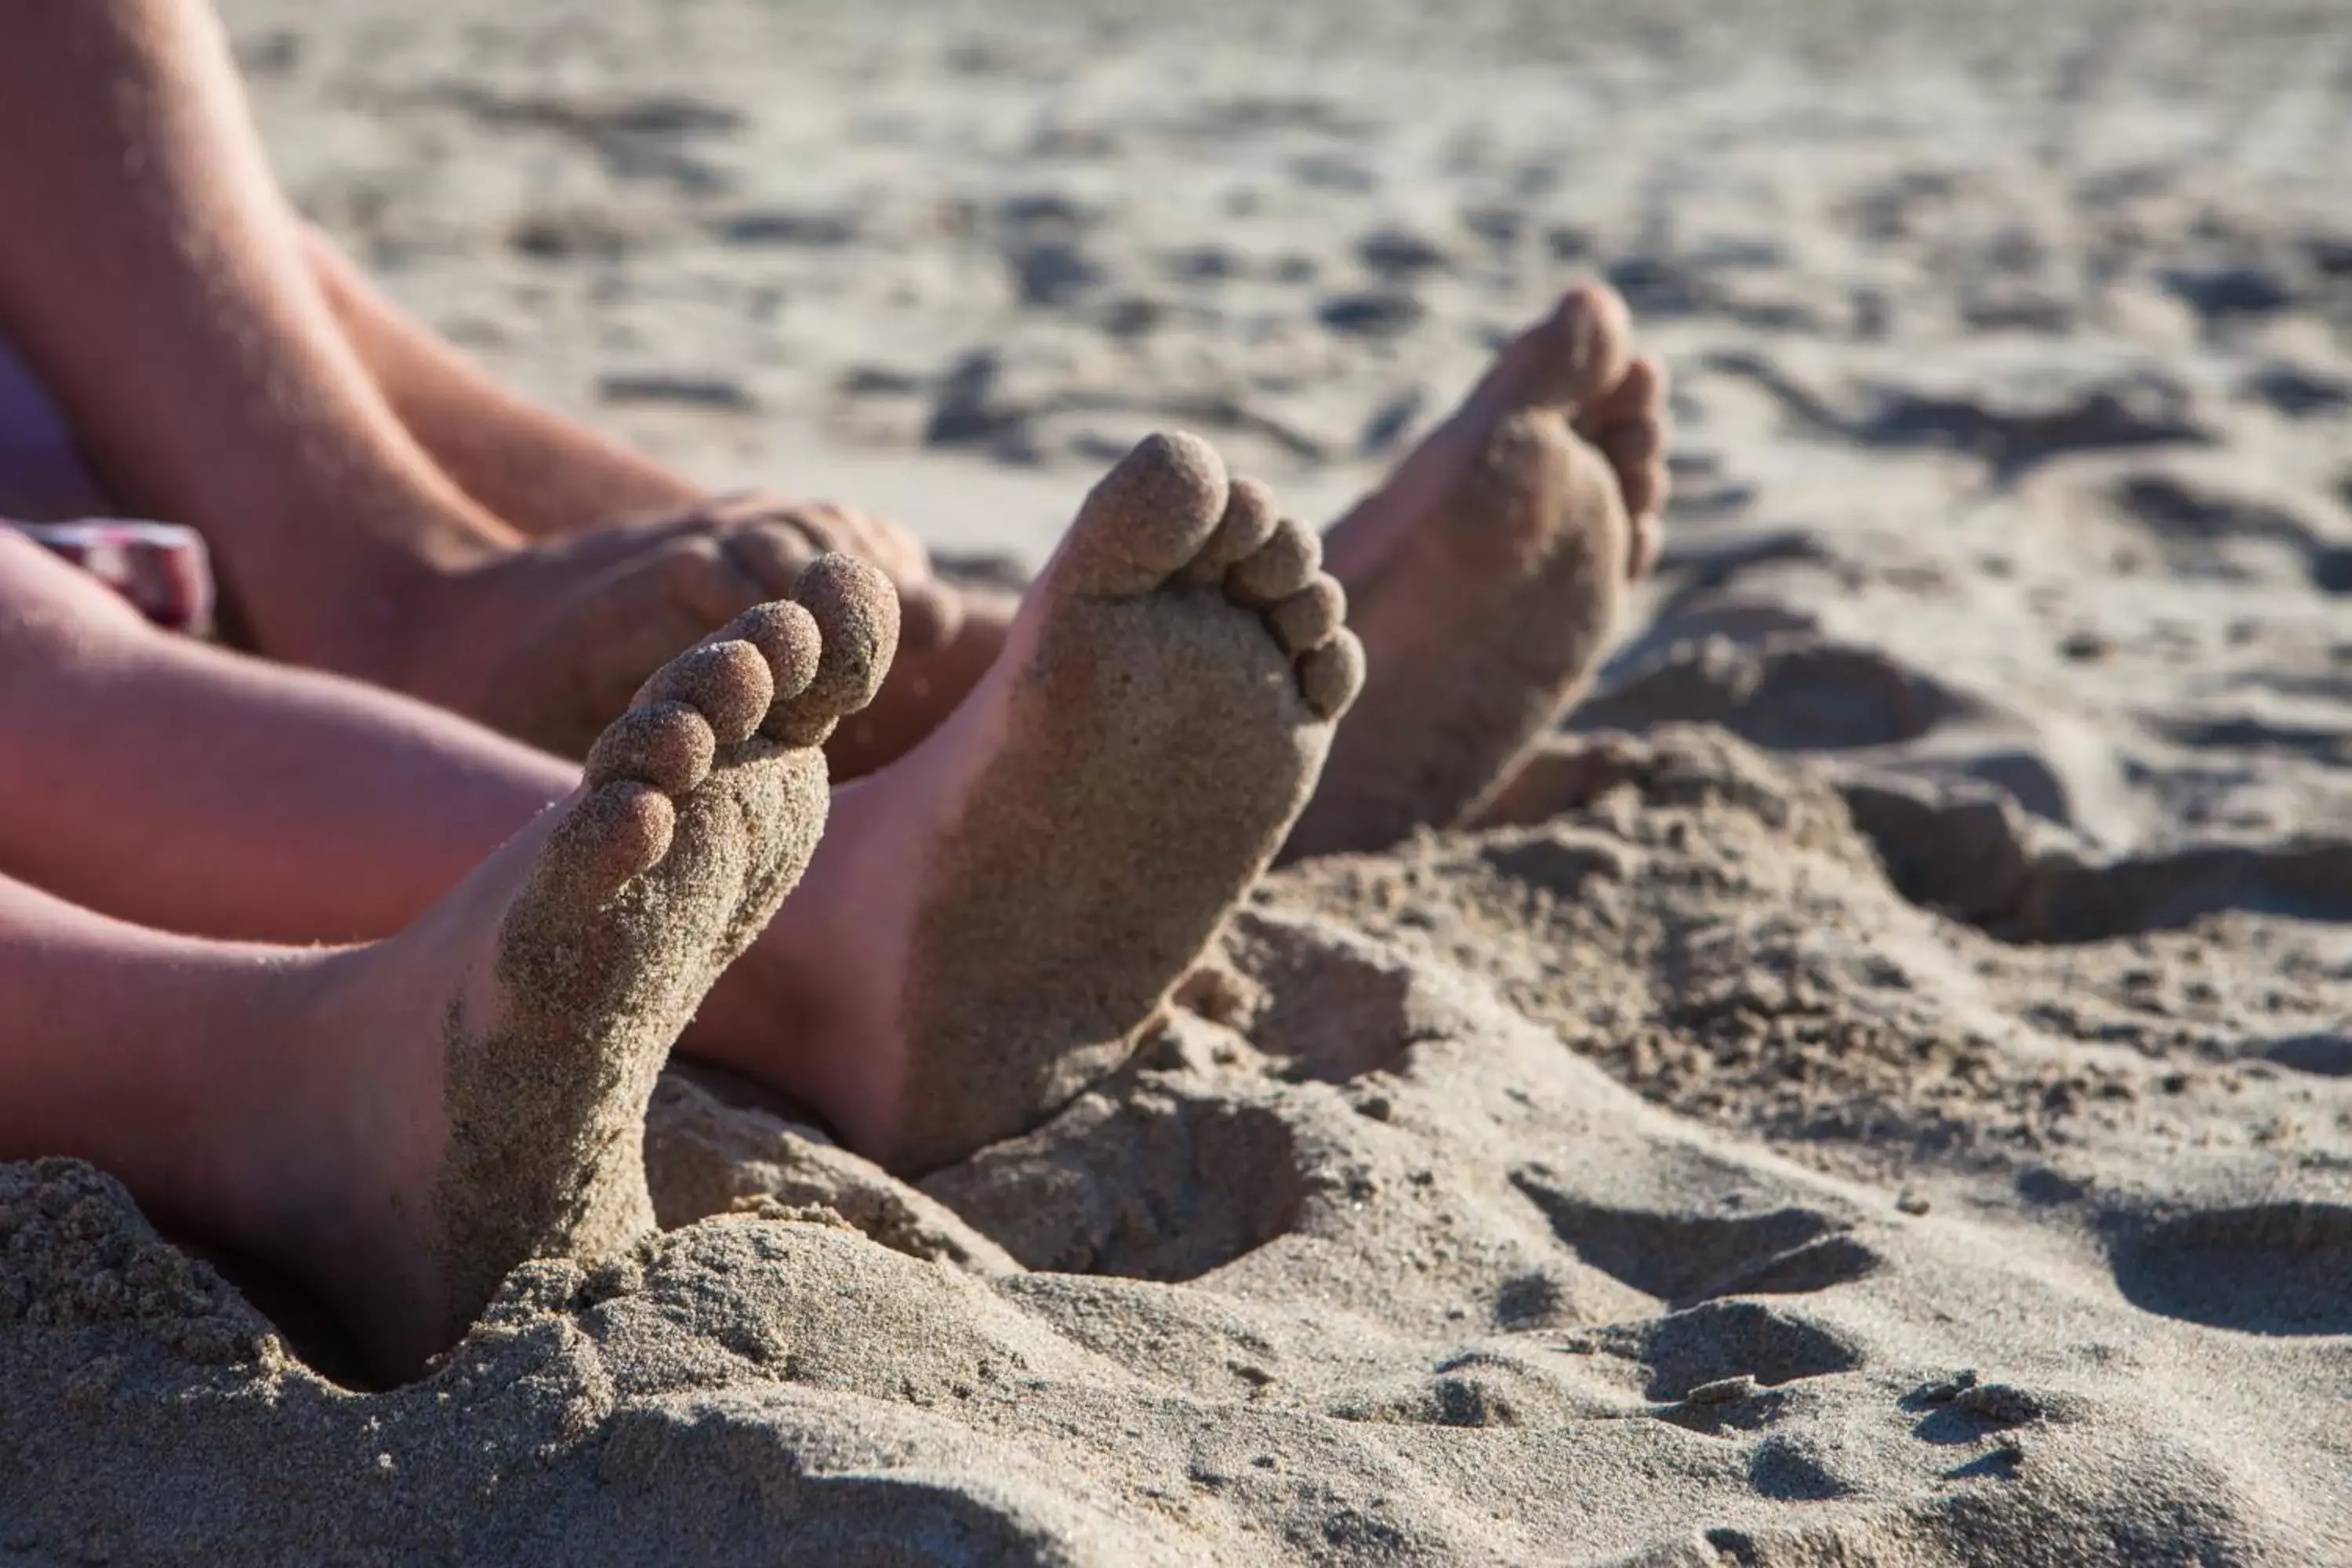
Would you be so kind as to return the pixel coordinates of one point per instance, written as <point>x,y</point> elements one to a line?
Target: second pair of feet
<point>546,639</point>
<point>986,921</point>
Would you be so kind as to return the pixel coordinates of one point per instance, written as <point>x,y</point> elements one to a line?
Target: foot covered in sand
<point>547,642</point>
<point>481,1079</point>
<point>992,916</point>
<point>1486,575</point>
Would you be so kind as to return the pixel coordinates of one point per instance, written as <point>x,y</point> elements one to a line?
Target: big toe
<point>1146,520</point>
<point>1583,346</point>
<point>856,613</point>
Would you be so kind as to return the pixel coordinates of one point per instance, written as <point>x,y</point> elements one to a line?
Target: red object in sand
<point>160,567</point>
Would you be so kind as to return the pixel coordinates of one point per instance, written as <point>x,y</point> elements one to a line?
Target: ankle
<point>384,603</point>
<point>770,1020</point>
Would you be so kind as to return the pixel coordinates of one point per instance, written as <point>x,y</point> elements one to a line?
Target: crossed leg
<point>168,300</point>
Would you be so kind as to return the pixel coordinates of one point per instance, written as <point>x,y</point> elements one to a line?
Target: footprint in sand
<point>505,1044</point>
<point>2263,1269</point>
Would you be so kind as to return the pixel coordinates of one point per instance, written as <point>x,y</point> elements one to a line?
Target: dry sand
<point>1896,1108</point>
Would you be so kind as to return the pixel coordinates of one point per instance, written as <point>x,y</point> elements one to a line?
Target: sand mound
<point>1363,1257</point>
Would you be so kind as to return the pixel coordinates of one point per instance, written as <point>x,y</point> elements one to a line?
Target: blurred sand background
<point>1879,1092</point>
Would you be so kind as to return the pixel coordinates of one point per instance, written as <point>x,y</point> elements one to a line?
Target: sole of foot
<point>496,1059</point>
<point>1486,576</point>
<point>1031,881</point>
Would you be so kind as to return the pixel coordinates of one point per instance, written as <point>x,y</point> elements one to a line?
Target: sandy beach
<point>1875,1089</point>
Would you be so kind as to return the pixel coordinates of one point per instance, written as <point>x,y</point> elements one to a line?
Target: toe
<point>1584,345</point>
<point>1311,617</point>
<point>1285,564</point>
<point>1629,424</point>
<point>1637,394</point>
<point>1330,676</point>
<point>665,744</point>
<point>786,635</point>
<point>930,613</point>
<point>856,615</point>
<point>702,580</point>
<point>771,555</point>
<point>619,830</point>
<point>1641,548</point>
<point>1636,453</point>
<point>726,682</point>
<point>1145,518</point>
<point>1249,521</point>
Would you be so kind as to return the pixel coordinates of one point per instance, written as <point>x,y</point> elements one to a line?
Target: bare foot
<point>1485,576</point>
<point>546,643</point>
<point>994,916</point>
<point>475,1087</point>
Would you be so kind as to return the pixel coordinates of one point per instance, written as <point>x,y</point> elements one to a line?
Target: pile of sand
<point>1878,1089</point>
<point>1366,1257</point>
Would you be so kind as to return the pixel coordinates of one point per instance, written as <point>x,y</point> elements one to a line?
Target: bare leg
<point>397,1125</point>
<point>172,784</point>
<point>156,780</point>
<point>540,472</point>
<point>165,299</point>
<point>1486,573</point>
<point>550,476</point>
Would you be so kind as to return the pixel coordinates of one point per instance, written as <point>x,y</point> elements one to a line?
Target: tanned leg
<point>397,1125</point>
<point>166,301</point>
<point>550,476</point>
